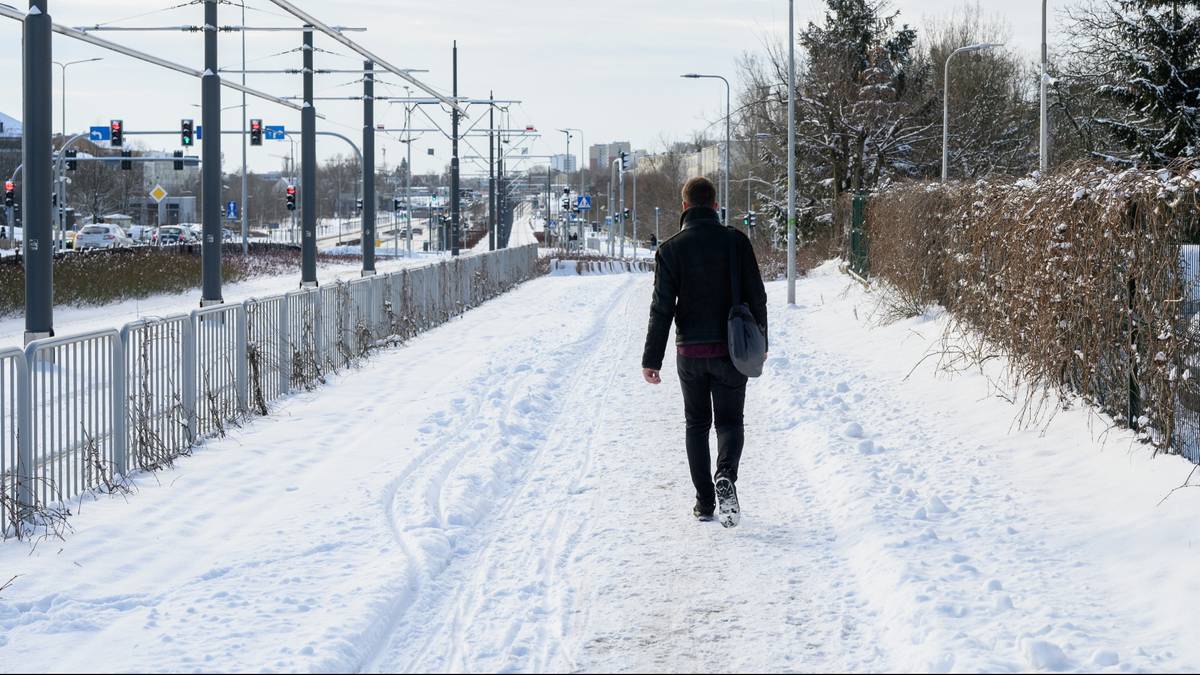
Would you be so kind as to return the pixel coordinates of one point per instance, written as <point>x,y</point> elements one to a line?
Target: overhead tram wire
<point>383,64</point>
<point>7,11</point>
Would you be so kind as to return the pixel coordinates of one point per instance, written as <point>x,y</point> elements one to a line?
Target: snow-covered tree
<point>1142,58</point>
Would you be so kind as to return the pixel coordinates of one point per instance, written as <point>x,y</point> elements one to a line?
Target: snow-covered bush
<point>1076,276</point>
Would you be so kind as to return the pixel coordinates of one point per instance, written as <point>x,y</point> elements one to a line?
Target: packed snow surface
<point>505,493</point>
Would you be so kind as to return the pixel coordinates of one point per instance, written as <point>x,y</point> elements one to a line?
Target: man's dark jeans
<point>712,388</point>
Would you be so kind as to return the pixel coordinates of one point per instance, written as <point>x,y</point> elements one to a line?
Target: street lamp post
<point>63,66</point>
<point>728,133</point>
<point>791,154</point>
<point>565,216</point>
<point>583,160</point>
<point>946,102</point>
<point>1044,131</point>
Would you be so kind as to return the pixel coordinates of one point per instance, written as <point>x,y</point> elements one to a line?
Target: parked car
<point>172,234</point>
<point>417,231</point>
<point>102,236</point>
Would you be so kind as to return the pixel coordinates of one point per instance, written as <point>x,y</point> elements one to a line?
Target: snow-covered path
<point>504,493</point>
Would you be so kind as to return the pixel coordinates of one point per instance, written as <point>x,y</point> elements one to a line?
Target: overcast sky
<point>610,68</point>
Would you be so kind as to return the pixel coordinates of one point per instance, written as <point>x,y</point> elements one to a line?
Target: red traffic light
<point>9,186</point>
<point>254,124</point>
<point>291,190</point>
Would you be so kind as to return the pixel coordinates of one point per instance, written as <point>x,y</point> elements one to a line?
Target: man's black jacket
<point>692,284</point>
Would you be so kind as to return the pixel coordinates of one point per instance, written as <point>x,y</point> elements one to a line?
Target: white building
<point>565,163</point>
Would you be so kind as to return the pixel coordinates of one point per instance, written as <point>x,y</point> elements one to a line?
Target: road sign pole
<point>491,172</point>
<point>454,214</point>
<point>36,186</point>
<point>308,171</point>
<point>368,167</point>
<point>210,246</point>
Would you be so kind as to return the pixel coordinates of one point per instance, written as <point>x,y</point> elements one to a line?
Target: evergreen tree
<point>1144,58</point>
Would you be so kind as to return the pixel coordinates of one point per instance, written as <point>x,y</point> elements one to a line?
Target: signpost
<point>274,132</point>
<point>99,134</point>
<point>583,202</point>
<point>158,194</point>
<point>231,210</point>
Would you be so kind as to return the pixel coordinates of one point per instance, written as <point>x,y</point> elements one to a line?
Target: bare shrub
<point>1076,277</point>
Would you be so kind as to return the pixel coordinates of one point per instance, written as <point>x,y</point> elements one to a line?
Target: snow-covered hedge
<point>1076,276</point>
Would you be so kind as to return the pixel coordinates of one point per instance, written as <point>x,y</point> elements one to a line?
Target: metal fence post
<point>318,327</point>
<point>25,466</point>
<point>120,406</point>
<point>191,366</point>
<point>241,359</point>
<point>285,349</point>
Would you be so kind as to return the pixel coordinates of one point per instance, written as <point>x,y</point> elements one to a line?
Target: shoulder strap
<point>735,275</point>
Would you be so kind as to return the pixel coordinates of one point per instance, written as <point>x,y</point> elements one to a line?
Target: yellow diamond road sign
<point>158,193</point>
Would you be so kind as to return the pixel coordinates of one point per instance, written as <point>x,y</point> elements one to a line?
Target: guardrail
<point>81,412</point>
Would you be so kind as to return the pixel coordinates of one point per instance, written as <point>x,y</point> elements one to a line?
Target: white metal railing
<point>79,412</point>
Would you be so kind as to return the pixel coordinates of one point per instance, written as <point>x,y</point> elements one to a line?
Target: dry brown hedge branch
<point>1076,277</point>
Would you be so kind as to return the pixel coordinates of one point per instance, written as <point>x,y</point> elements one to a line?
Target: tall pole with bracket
<point>210,90</point>
<point>308,172</point>
<point>368,152</point>
<point>455,229</point>
<point>36,148</point>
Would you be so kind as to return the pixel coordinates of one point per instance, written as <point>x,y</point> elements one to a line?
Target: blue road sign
<point>583,202</point>
<point>97,134</point>
<point>275,132</point>
<point>231,210</point>
<point>199,132</point>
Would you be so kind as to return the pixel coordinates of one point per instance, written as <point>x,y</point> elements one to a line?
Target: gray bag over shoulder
<point>747,343</point>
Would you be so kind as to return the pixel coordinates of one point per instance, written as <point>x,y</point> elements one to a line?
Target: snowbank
<point>561,268</point>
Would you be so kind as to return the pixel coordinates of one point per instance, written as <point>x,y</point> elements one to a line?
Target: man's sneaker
<point>703,514</point>
<point>727,503</point>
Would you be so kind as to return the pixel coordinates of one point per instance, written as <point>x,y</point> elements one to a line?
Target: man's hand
<point>651,375</point>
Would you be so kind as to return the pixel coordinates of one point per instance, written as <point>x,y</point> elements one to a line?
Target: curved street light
<point>728,134</point>
<point>946,101</point>
<point>63,66</point>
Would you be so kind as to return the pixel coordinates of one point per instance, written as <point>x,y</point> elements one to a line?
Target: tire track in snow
<point>489,432</point>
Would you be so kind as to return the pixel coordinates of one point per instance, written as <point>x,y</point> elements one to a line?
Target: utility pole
<point>36,148</point>
<point>454,215</point>
<point>1044,131</point>
<point>368,152</point>
<point>621,175</point>
<point>245,222</point>
<point>408,179</point>
<point>492,172</point>
<point>210,247</point>
<point>308,171</point>
<point>635,223</point>
<point>657,236</point>
<point>791,154</point>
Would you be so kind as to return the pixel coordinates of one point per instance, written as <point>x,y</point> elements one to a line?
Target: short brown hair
<point>700,191</point>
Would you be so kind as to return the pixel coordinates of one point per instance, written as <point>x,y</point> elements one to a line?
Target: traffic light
<point>395,203</point>
<point>291,198</point>
<point>256,131</point>
<point>753,219</point>
<point>71,163</point>
<point>624,161</point>
<point>566,204</point>
<point>126,165</point>
<point>625,214</point>
<point>187,133</point>
<point>358,205</point>
<point>10,196</point>
<point>118,133</point>
<point>746,220</point>
<point>178,160</point>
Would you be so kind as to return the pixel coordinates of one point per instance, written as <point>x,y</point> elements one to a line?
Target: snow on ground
<point>69,320</point>
<point>528,509</point>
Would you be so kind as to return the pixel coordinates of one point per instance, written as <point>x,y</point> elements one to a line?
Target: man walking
<point>693,285</point>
